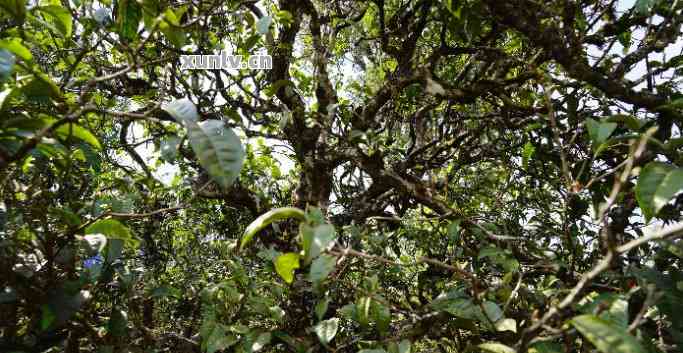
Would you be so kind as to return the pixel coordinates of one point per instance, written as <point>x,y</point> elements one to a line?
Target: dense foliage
<point>410,176</point>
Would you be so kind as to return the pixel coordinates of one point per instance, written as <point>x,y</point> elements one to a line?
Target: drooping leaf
<point>218,149</point>
<point>657,184</point>
<point>326,330</point>
<point>285,265</point>
<point>118,322</point>
<point>128,16</point>
<point>269,217</point>
<point>606,337</point>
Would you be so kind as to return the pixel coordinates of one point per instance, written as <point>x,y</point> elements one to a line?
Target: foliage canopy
<point>410,176</point>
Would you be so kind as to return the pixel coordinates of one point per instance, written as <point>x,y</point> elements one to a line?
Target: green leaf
<point>285,265</point>
<point>47,318</point>
<point>495,347</point>
<point>629,121</point>
<point>404,347</point>
<point>506,325</point>
<point>218,149</point>
<point>269,217</point>
<point>118,323</point>
<point>219,339</point>
<point>128,16</point>
<point>112,229</point>
<point>527,153</point>
<point>261,341</point>
<point>643,6</point>
<point>73,130</point>
<point>164,291</point>
<point>263,24</point>
<point>169,148</point>
<point>376,350</point>
<point>113,249</point>
<point>606,337</point>
<point>14,45</point>
<point>321,308</point>
<point>40,88</point>
<point>321,267</point>
<point>170,27</point>
<point>16,9</point>
<point>182,110</point>
<point>322,238</point>
<point>326,330</point>
<point>381,315</point>
<point>657,184</point>
<point>492,311</point>
<point>599,131</point>
<point>59,17</point>
<point>546,347</point>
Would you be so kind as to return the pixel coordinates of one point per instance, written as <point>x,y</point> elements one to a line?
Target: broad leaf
<point>15,46</point>
<point>657,184</point>
<point>606,337</point>
<point>118,322</point>
<point>218,149</point>
<point>599,131</point>
<point>320,239</point>
<point>219,339</point>
<point>495,347</point>
<point>128,17</point>
<point>59,17</point>
<point>326,330</point>
<point>321,267</point>
<point>181,110</point>
<point>73,130</point>
<point>285,265</point>
<point>269,217</point>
